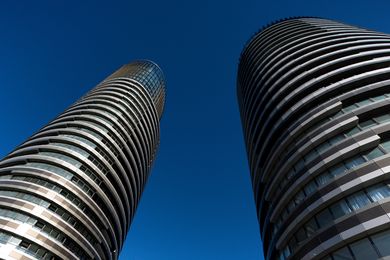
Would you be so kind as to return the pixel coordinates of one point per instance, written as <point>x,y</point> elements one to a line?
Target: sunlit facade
<point>71,190</point>
<point>314,98</point>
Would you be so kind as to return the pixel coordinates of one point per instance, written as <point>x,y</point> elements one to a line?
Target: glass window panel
<point>51,168</point>
<point>301,235</point>
<point>324,218</point>
<point>291,205</point>
<point>350,108</point>
<point>378,98</point>
<point>336,139</point>
<point>279,223</point>
<point>73,148</point>
<point>386,145</point>
<point>34,248</point>
<point>284,214</point>
<point>342,254</point>
<point>363,102</point>
<point>293,244</point>
<point>323,178</point>
<point>340,209</point>
<point>363,250</point>
<point>311,227</point>
<point>338,114</point>
<point>299,197</point>
<point>355,161</point>
<point>62,157</point>
<point>41,253</point>
<point>337,169</point>
<point>310,188</point>
<point>383,118</point>
<point>374,154</point>
<point>290,174</point>
<point>14,240</point>
<point>358,200</point>
<point>286,252</point>
<point>353,131</point>
<point>382,242</point>
<point>378,192</point>
<point>311,155</point>
<point>367,124</point>
<point>299,165</point>
<point>322,147</point>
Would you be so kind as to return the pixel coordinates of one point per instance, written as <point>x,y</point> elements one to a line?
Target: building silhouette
<point>71,190</point>
<point>314,98</point>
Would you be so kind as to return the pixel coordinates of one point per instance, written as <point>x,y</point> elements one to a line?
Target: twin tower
<point>314,97</point>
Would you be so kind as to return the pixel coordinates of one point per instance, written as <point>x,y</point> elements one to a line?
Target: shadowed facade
<point>314,98</point>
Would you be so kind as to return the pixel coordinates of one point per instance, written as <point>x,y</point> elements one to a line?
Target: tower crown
<point>150,75</point>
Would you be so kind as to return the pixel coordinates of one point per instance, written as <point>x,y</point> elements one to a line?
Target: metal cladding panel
<point>71,190</point>
<point>314,98</point>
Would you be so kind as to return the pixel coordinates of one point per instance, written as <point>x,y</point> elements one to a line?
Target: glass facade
<point>313,97</point>
<point>71,190</point>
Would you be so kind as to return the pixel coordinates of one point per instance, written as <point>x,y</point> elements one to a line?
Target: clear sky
<point>198,203</point>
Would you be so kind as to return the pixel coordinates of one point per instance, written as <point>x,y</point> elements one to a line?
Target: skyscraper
<point>314,98</point>
<point>71,190</point>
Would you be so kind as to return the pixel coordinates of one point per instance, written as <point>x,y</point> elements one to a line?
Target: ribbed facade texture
<point>314,98</point>
<point>71,190</point>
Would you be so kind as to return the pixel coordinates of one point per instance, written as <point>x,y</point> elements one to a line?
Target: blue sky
<point>198,203</point>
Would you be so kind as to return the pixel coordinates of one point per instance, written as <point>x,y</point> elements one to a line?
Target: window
<point>299,197</point>
<point>322,147</point>
<point>310,188</point>
<point>301,235</point>
<point>378,98</point>
<point>299,165</point>
<point>352,131</point>
<point>382,242</point>
<point>24,244</point>
<point>293,244</point>
<point>353,162</point>
<point>367,124</point>
<point>311,155</point>
<point>363,102</point>
<point>350,108</point>
<point>286,252</point>
<point>33,248</point>
<point>363,250</point>
<point>342,254</point>
<point>323,179</point>
<point>337,170</point>
<point>39,224</point>
<point>358,200</point>
<point>378,192</point>
<point>336,139</point>
<point>386,145</point>
<point>324,218</point>
<point>51,168</point>
<point>383,118</point>
<point>374,154</point>
<point>62,157</point>
<point>340,209</point>
<point>291,205</point>
<point>290,174</point>
<point>284,214</point>
<point>311,227</point>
